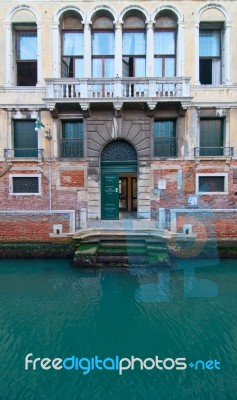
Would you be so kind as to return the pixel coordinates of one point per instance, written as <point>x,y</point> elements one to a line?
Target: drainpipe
<point>49,137</point>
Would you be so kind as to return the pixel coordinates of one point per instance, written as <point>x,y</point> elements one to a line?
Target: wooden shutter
<point>25,135</point>
<point>211,136</point>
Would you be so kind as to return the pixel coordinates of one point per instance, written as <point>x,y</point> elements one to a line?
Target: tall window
<point>164,54</point>
<point>72,46</point>
<point>26,57</point>
<point>134,47</point>
<point>72,142</point>
<point>103,54</point>
<point>165,45</point>
<point>25,139</point>
<point>210,56</point>
<point>165,138</point>
<point>211,137</point>
<point>102,46</point>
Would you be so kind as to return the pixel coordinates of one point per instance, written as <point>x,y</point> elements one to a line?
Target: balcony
<point>165,147</point>
<point>71,148</point>
<point>97,90</point>
<point>210,152</point>
<point>23,154</point>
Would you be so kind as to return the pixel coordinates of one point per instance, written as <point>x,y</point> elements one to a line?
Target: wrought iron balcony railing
<point>165,147</point>
<point>213,151</point>
<point>111,88</point>
<point>71,148</point>
<point>23,153</point>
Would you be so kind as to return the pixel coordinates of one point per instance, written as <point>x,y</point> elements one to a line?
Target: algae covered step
<point>114,253</point>
<point>86,255</point>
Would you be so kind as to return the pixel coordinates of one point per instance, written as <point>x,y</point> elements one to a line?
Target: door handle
<point>116,190</point>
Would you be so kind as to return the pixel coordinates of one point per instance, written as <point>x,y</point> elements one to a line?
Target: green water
<point>52,310</point>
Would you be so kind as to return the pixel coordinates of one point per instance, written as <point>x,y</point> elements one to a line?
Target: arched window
<point>165,44</point>
<point>22,37</point>
<point>134,45</point>
<point>72,45</point>
<point>102,45</point>
<point>119,150</point>
<point>211,48</point>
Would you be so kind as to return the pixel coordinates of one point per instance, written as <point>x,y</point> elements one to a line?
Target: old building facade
<point>114,108</point>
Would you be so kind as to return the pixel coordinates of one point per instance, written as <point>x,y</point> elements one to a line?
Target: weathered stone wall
<point>133,126</point>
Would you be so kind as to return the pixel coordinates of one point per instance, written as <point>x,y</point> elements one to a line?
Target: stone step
<point>122,260</point>
<point>126,246</point>
<point>159,259</point>
<point>157,248</point>
<point>86,255</point>
<point>122,252</point>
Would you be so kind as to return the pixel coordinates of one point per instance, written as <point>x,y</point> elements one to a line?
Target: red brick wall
<point>72,178</point>
<point>67,180</point>
<point>31,227</point>
<point>220,225</point>
<point>172,197</point>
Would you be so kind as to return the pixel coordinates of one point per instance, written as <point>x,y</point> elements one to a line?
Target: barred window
<point>165,142</point>
<point>72,142</point>
<point>211,184</point>
<point>27,184</point>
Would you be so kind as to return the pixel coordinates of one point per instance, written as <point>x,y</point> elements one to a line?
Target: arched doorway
<point>118,180</point>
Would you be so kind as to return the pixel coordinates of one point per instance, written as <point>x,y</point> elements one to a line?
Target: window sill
<point>165,158</point>
<point>23,159</point>
<point>199,86</point>
<point>23,88</point>
<point>211,193</point>
<point>213,158</point>
<point>25,194</point>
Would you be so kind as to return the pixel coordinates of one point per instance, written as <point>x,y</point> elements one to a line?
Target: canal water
<point>53,310</point>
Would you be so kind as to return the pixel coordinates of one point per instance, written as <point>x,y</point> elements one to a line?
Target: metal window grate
<point>119,150</point>
<point>25,185</point>
<point>211,184</point>
<point>72,148</point>
<point>165,147</point>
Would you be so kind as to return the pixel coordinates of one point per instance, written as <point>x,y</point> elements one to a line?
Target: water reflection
<point>49,308</point>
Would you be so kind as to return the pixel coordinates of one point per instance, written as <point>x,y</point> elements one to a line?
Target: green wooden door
<point>25,139</point>
<point>109,196</point>
<point>211,137</point>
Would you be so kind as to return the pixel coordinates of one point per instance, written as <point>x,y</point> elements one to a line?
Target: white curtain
<point>210,43</point>
<point>140,67</point>
<point>97,68</point>
<point>103,44</point>
<point>78,68</point>
<point>169,67</point>
<point>27,46</point>
<point>158,67</point>
<point>216,72</point>
<point>109,68</point>
<point>164,43</point>
<point>73,44</point>
<point>134,43</point>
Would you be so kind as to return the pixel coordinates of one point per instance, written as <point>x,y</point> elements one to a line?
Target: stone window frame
<point>225,175</point>
<point>218,113</point>
<point>10,59</point>
<point>20,116</point>
<point>71,118</point>
<point>226,41</point>
<point>12,176</point>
